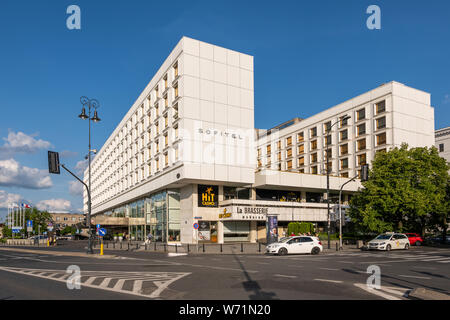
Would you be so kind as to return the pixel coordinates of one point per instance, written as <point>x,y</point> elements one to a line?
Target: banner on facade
<point>272,229</point>
<point>204,231</point>
<point>208,196</point>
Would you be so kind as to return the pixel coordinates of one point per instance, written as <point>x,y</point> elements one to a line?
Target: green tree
<point>406,191</point>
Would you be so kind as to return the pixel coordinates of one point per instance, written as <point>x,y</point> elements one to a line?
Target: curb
<point>62,253</point>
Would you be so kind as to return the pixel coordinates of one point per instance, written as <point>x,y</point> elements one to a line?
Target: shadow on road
<point>251,285</point>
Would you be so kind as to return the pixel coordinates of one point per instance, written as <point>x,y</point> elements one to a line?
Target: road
<point>152,275</point>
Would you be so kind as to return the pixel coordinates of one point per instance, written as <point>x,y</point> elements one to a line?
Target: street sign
<point>29,223</point>
<point>53,162</point>
<point>195,225</point>
<point>16,229</point>
<point>98,226</point>
<point>101,232</point>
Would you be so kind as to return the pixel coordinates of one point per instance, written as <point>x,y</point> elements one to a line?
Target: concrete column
<point>303,196</point>
<point>253,232</point>
<point>219,232</point>
<point>252,194</point>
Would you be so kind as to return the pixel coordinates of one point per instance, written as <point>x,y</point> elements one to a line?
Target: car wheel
<point>407,246</point>
<point>282,251</point>
<point>315,250</point>
<point>388,247</point>
<point>418,243</point>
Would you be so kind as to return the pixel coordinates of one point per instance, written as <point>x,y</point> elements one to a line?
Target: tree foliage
<point>407,191</point>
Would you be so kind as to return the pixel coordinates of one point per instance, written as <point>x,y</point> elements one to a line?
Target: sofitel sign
<point>215,132</point>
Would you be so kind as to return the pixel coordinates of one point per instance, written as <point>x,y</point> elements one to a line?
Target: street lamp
<point>91,104</point>
<point>344,118</point>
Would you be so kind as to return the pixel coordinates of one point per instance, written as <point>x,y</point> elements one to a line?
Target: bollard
<point>203,247</point>
<point>145,247</point>
<point>259,246</point>
<point>128,246</point>
<point>188,247</point>
<point>337,246</point>
<point>242,247</point>
<point>176,248</point>
<point>164,247</point>
<point>121,245</point>
<point>114,245</point>
<point>137,246</point>
<point>155,246</point>
<point>101,248</point>
<point>221,249</point>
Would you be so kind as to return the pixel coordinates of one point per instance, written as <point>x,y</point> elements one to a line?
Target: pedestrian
<point>149,238</point>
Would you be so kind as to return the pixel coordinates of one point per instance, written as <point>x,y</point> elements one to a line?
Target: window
<point>344,149</point>
<point>343,135</point>
<point>278,145</point>
<point>259,152</point>
<point>301,171</point>
<point>157,146</point>
<point>361,114</point>
<point>259,163</point>
<point>441,147</point>
<point>157,128</point>
<point>361,129</point>
<point>175,111</point>
<point>166,101</point>
<point>279,156</point>
<point>314,170</point>
<point>381,123</point>
<point>313,157</point>
<point>166,120</point>
<point>327,140</point>
<point>269,149</point>
<point>279,166</point>
<point>380,106</point>
<point>313,132</point>
<point>301,161</point>
<point>361,144</point>
<point>176,132</point>
<point>327,126</point>
<point>175,68</point>
<point>165,81</point>
<point>343,121</point>
<point>301,149</point>
<point>289,153</point>
<point>381,150</point>
<point>344,174</point>
<point>166,159</point>
<point>328,152</point>
<point>300,137</point>
<point>381,139</point>
<point>314,145</point>
<point>176,90</point>
<point>156,91</point>
<point>361,159</point>
<point>289,164</point>
<point>157,164</point>
<point>289,141</point>
<point>166,140</point>
<point>344,163</point>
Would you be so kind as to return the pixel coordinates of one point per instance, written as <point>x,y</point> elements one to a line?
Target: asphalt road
<point>150,275</point>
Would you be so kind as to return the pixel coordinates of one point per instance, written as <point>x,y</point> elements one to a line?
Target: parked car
<point>299,244</point>
<point>438,240</point>
<point>389,241</point>
<point>414,239</point>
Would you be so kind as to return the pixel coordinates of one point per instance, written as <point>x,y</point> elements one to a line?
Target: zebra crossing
<point>145,284</point>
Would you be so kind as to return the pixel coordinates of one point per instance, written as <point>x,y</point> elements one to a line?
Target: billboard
<point>208,196</point>
<point>271,229</point>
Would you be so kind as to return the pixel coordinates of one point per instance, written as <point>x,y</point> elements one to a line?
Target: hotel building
<point>443,143</point>
<point>187,152</point>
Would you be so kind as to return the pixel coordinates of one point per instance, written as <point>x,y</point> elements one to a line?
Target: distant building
<point>61,220</point>
<point>443,142</point>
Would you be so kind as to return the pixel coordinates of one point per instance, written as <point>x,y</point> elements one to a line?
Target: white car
<point>389,241</point>
<point>300,244</point>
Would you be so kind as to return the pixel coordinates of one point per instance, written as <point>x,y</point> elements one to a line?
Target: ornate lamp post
<point>91,104</point>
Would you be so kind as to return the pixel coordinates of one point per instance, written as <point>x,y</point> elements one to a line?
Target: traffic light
<point>53,162</point>
<point>365,172</point>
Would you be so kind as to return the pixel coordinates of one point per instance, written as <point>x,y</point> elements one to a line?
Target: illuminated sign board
<point>208,196</point>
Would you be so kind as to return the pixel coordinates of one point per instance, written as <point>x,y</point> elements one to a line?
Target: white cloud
<point>7,199</point>
<point>67,154</point>
<point>22,143</point>
<point>54,205</point>
<point>81,166</point>
<point>75,188</point>
<point>12,174</point>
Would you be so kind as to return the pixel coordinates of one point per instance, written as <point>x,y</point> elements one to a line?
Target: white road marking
<point>327,280</point>
<point>377,292</point>
<point>415,277</point>
<point>284,276</point>
<point>160,279</point>
<point>331,269</point>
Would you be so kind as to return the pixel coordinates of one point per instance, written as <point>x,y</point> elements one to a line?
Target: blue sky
<point>308,56</point>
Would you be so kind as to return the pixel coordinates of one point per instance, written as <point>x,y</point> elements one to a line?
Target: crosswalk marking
<point>153,282</point>
<point>389,293</point>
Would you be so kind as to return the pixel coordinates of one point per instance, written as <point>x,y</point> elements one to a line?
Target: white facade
<point>194,121</point>
<point>443,143</point>
<point>193,127</point>
<point>380,119</point>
